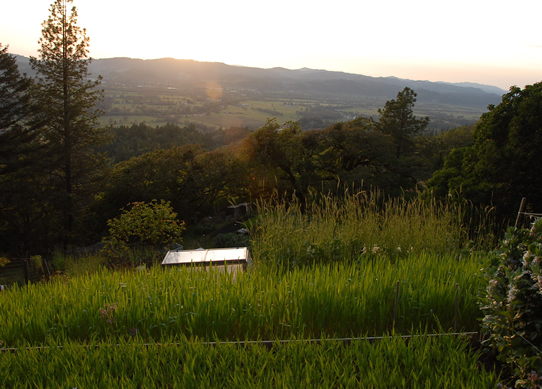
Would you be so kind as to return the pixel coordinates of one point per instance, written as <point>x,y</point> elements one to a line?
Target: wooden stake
<point>521,207</point>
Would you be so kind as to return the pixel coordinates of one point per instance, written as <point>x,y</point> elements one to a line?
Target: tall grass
<point>355,227</point>
<point>344,300</point>
<point>393,362</point>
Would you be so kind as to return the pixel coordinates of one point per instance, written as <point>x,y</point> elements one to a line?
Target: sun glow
<point>420,39</point>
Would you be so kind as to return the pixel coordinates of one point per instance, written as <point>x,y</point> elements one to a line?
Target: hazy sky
<point>493,42</point>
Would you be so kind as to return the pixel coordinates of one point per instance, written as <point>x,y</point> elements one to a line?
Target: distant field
<point>158,107</point>
<point>128,120</point>
<point>452,110</point>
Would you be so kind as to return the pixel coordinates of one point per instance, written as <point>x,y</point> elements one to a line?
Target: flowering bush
<point>512,305</point>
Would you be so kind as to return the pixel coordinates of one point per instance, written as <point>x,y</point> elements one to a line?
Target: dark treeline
<point>138,139</point>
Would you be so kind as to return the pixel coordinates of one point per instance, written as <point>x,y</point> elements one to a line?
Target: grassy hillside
<point>343,268</point>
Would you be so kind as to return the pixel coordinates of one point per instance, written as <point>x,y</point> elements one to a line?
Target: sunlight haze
<point>489,42</point>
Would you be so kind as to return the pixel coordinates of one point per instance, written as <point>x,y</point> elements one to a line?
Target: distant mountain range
<point>283,81</point>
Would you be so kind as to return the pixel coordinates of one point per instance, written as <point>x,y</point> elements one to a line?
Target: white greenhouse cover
<point>239,255</point>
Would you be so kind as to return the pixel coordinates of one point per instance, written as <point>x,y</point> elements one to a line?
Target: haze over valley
<point>216,95</point>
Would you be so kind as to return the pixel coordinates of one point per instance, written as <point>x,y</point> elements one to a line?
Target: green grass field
<point>334,271</point>
<point>393,362</point>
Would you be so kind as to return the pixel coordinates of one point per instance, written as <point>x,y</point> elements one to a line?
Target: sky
<point>492,42</point>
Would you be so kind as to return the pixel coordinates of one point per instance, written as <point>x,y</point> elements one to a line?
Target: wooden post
<point>46,269</point>
<point>521,207</point>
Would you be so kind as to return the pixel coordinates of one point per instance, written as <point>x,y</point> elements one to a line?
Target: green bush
<point>512,305</point>
<point>140,231</point>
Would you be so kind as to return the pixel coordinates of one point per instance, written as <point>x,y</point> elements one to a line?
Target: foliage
<point>393,362</point>
<point>397,120</point>
<point>352,154</point>
<point>144,225</point>
<point>138,139</point>
<point>17,129</point>
<point>512,305</point>
<point>196,182</point>
<point>59,260</point>
<point>504,164</point>
<point>37,262</point>
<point>231,239</point>
<point>277,155</point>
<point>457,138</point>
<point>358,153</point>
<point>4,261</point>
<point>19,158</point>
<point>68,98</point>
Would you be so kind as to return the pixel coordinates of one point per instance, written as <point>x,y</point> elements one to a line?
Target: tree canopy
<point>389,154</point>
<point>504,164</point>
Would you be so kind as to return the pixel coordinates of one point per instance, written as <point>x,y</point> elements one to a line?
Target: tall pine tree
<point>17,129</point>
<point>397,120</point>
<point>21,210</point>
<point>68,95</point>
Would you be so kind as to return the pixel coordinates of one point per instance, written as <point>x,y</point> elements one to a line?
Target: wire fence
<point>474,338</point>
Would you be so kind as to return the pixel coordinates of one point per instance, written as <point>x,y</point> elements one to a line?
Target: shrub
<point>512,305</point>
<point>145,227</point>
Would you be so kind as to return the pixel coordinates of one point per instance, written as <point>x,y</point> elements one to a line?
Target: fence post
<point>26,272</point>
<point>521,207</point>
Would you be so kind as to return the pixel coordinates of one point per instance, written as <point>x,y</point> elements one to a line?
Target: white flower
<point>512,293</point>
<point>526,258</point>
